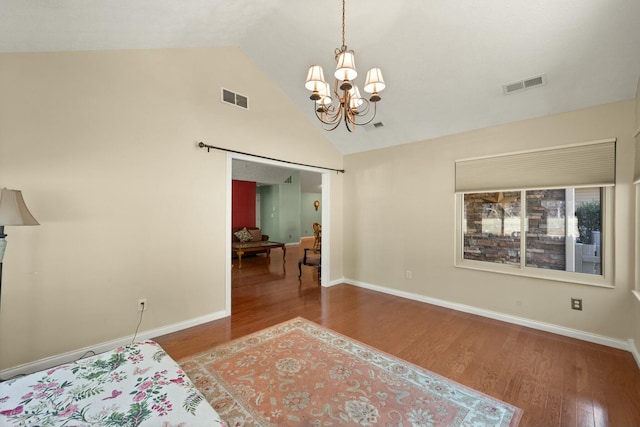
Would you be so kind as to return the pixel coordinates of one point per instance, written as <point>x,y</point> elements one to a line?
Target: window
<point>493,229</point>
<point>557,233</point>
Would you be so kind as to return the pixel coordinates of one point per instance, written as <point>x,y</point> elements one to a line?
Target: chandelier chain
<point>343,19</point>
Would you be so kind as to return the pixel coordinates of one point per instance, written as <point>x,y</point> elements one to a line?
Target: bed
<point>133,385</point>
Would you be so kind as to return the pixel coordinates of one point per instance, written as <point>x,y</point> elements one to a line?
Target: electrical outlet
<point>409,274</point>
<point>142,304</point>
<point>576,304</point>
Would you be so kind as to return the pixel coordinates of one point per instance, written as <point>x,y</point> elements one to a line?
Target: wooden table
<point>239,249</point>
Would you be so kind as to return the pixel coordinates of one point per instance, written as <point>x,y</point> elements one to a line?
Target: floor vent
<point>521,85</point>
<point>236,99</point>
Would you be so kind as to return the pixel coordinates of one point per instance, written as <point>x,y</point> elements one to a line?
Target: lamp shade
<point>13,210</point>
<point>374,82</point>
<point>325,96</point>
<point>346,67</point>
<point>355,98</point>
<point>315,79</point>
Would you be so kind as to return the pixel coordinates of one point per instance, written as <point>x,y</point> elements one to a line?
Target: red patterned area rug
<point>301,374</point>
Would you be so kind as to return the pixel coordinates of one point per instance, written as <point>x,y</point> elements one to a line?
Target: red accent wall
<point>243,204</point>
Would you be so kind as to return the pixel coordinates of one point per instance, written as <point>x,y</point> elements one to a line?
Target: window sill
<point>533,273</point>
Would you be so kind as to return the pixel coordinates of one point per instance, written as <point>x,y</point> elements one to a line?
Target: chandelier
<point>349,107</point>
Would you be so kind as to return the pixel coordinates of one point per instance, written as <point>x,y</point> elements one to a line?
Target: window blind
<point>581,165</point>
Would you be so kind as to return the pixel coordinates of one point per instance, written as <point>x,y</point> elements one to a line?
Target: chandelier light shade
<point>374,83</point>
<point>346,68</point>
<point>325,96</point>
<point>315,80</point>
<point>349,106</point>
<point>356,100</point>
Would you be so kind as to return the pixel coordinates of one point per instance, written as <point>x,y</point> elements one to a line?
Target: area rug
<point>301,374</point>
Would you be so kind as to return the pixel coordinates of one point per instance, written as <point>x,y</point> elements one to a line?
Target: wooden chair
<point>317,232</point>
<point>313,256</point>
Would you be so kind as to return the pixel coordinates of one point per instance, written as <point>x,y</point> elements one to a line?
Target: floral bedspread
<point>134,385</point>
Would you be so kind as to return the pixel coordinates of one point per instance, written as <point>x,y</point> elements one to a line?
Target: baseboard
<point>336,282</point>
<point>521,321</point>
<point>70,356</point>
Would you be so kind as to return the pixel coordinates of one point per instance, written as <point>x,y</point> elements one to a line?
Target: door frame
<point>326,217</point>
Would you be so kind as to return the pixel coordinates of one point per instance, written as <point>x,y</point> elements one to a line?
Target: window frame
<point>636,288</point>
<point>606,279</point>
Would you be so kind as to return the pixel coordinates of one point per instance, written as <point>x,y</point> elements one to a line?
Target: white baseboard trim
<point>534,324</point>
<point>336,282</point>
<point>70,356</point>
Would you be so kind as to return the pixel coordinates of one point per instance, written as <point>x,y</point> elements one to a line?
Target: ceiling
<point>444,61</point>
<point>264,174</point>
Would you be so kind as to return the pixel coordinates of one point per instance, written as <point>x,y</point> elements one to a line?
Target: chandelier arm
<point>334,127</point>
<point>331,126</point>
<point>334,119</point>
<point>330,113</point>
<point>333,114</point>
<point>365,112</point>
<point>372,117</point>
<point>347,121</point>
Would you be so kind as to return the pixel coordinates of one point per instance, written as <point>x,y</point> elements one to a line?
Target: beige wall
<point>399,215</point>
<point>102,144</point>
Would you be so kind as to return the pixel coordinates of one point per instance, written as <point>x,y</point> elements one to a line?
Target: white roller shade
<point>581,165</point>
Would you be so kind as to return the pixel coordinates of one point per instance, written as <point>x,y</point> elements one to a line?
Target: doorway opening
<point>313,182</point>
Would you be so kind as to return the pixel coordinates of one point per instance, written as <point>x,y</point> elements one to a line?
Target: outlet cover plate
<point>576,304</point>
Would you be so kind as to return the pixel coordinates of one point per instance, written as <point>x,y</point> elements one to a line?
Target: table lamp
<point>13,211</point>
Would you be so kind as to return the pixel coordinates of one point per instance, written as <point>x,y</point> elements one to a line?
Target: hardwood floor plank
<point>552,410</point>
<point>570,398</point>
<point>557,381</point>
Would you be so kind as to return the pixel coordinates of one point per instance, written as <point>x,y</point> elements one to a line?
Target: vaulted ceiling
<point>445,61</point>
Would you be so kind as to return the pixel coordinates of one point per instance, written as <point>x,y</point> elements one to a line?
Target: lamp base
<point>3,245</point>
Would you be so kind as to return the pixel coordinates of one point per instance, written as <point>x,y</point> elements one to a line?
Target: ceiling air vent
<point>521,85</point>
<point>236,99</point>
<point>374,126</point>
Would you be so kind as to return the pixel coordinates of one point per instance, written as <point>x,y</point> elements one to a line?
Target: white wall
<point>636,301</point>
<point>399,215</point>
<point>102,144</point>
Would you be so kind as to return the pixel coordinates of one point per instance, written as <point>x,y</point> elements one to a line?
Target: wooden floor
<point>557,381</point>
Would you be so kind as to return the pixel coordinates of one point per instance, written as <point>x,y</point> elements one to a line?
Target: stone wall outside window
<point>493,223</point>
